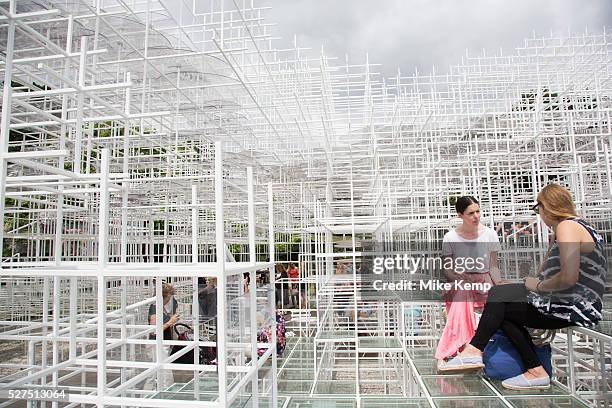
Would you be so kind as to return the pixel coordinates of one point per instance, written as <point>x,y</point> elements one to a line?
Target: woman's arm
<point>448,261</point>
<point>568,239</point>
<point>494,269</point>
<point>450,273</point>
<point>168,324</point>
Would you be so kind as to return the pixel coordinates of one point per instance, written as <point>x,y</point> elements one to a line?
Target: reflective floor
<point>336,384</point>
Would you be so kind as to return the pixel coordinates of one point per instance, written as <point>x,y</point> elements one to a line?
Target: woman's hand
<point>453,276</point>
<point>495,275</point>
<point>173,320</point>
<point>531,283</point>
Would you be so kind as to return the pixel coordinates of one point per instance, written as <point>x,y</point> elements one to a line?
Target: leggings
<point>507,309</point>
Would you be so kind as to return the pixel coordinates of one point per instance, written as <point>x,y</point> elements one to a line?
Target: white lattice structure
<point>149,139</point>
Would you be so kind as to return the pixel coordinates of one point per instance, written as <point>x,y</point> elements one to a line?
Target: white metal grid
<point>128,130</point>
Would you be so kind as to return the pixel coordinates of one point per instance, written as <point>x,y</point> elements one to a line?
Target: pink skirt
<point>460,318</point>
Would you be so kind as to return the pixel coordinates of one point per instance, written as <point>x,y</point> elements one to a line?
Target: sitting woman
<point>470,255</point>
<point>568,291</point>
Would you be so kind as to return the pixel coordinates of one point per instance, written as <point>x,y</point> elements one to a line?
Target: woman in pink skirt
<point>470,256</point>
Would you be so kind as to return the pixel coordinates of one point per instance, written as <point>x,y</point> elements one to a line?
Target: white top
<point>471,255</point>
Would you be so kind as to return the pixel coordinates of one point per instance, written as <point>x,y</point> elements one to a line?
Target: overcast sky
<point>424,33</point>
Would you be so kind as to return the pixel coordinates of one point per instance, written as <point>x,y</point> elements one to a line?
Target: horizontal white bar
<point>56,56</point>
<point>141,402</point>
<point>38,153</point>
<point>30,14</point>
<point>205,269</point>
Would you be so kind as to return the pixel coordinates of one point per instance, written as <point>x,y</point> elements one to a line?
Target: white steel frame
<point>146,139</point>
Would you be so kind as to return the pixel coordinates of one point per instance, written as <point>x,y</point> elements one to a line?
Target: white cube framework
<point>149,140</point>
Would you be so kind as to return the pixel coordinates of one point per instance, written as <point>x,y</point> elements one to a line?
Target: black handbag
<point>184,332</point>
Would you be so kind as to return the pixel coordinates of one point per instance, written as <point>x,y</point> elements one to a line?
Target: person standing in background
<point>294,277</point>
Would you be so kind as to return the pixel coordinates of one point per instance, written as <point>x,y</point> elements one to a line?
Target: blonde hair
<point>557,202</point>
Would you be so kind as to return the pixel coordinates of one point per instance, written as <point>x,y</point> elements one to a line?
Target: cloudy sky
<point>426,33</point>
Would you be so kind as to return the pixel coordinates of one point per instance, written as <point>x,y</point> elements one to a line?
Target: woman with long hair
<point>470,255</point>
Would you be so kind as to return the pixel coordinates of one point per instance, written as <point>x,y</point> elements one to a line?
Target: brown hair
<point>280,268</point>
<point>464,202</point>
<point>168,289</point>
<point>557,202</point>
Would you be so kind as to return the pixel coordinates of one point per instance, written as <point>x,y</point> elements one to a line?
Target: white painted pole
<point>273,374</point>
<point>608,169</point>
<point>5,115</point>
<point>252,295</point>
<point>195,305</point>
<point>194,224</point>
<point>103,221</point>
<point>222,280</point>
<point>78,138</point>
<point>124,229</point>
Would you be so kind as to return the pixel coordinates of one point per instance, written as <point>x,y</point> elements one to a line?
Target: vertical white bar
<point>222,280</point>
<point>253,289</point>
<point>222,29</point>
<point>195,307</point>
<point>102,260</point>
<point>570,361</point>
<point>56,318</point>
<point>59,222</point>
<point>78,126</point>
<point>5,121</point>
<point>582,197</point>
<point>45,321</point>
<point>608,170</point>
<point>125,169</point>
<point>274,392</point>
<point>194,224</point>
<point>490,193</point>
<point>159,331</point>
<point>124,227</point>
<point>354,279</point>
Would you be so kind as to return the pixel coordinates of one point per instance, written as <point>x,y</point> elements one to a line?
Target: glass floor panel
<point>241,401</point>
<point>548,402</point>
<point>185,396</point>
<point>265,402</point>
<point>451,385</point>
<point>380,342</point>
<point>313,402</point>
<point>294,387</point>
<point>421,352</point>
<point>382,402</point>
<point>553,390</point>
<point>174,387</point>
<point>336,335</point>
<point>335,387</point>
<point>296,374</point>
<point>426,367</point>
<point>298,365</point>
<point>469,403</point>
<point>204,384</point>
